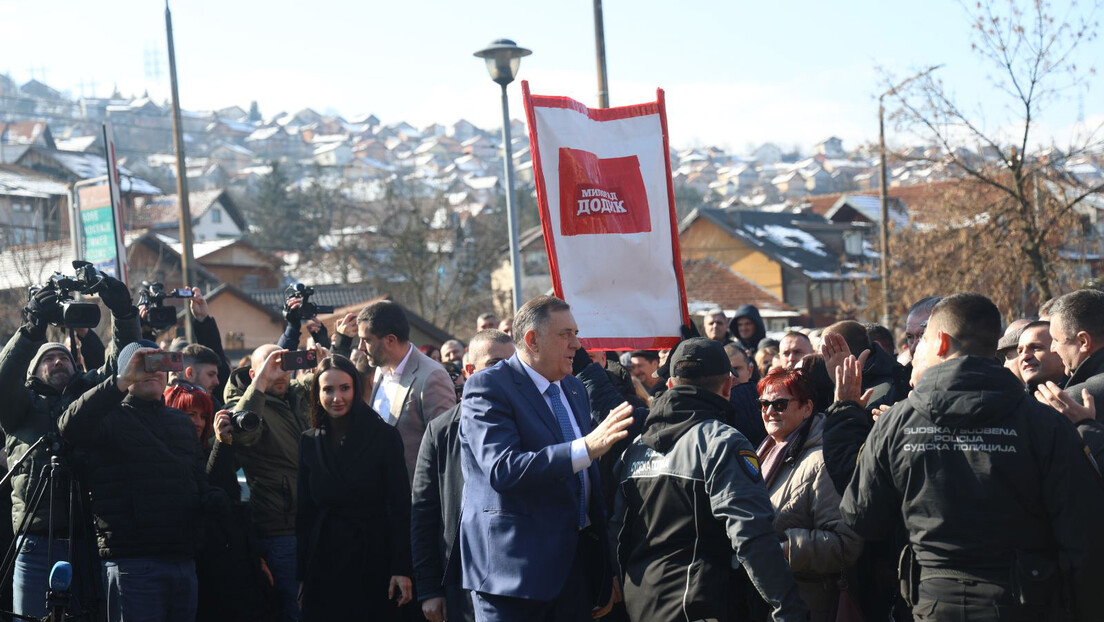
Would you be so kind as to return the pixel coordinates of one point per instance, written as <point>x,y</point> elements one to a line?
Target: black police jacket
<point>982,475</point>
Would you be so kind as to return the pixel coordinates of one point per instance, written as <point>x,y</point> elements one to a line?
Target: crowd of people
<point>832,475</point>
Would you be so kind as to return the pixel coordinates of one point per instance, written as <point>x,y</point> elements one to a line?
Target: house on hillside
<point>39,90</point>
<point>333,154</point>
<point>711,285</point>
<point>867,209</point>
<point>245,323</point>
<point>33,207</point>
<point>536,277</point>
<point>462,130</point>
<point>27,133</point>
<point>830,148</point>
<point>276,143</point>
<point>802,259</point>
<point>238,263</point>
<point>214,214</point>
<point>233,113</point>
<point>233,158</point>
<point>71,166</point>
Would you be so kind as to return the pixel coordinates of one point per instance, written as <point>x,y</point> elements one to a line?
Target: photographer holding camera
<point>198,363</point>
<point>299,310</point>
<point>38,381</point>
<point>148,488</point>
<point>269,455</point>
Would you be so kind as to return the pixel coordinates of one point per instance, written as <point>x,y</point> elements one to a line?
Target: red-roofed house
<point>710,284</point>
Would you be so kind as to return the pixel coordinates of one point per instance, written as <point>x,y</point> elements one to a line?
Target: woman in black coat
<point>353,522</point>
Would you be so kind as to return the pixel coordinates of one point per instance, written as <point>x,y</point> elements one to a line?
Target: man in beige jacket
<point>410,389</point>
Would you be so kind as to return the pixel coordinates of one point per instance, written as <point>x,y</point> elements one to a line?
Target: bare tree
<point>431,259</point>
<point>1018,200</point>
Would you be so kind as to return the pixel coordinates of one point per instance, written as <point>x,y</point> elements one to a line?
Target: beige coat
<point>808,518</point>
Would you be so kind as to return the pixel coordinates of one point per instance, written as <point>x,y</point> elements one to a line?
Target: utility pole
<point>186,259</point>
<point>600,45</point>
<point>883,227</point>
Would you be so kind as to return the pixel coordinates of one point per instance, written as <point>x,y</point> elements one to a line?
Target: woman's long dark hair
<point>319,418</point>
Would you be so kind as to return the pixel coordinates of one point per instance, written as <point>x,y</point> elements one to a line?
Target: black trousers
<point>956,600</point>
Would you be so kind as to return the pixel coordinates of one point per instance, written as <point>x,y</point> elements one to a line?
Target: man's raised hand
<point>612,430</point>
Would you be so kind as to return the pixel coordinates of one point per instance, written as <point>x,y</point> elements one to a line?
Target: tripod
<point>59,596</point>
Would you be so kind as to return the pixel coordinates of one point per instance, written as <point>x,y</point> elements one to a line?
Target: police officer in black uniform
<point>996,490</point>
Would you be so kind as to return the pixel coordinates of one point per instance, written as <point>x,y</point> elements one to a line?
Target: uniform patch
<point>750,463</point>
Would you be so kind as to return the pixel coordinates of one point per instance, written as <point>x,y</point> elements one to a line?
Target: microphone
<point>61,577</point>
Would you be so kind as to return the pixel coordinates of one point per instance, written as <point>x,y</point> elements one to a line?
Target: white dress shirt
<point>580,458</point>
<point>389,386</point>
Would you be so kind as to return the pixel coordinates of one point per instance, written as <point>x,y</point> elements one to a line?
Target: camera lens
<point>245,421</point>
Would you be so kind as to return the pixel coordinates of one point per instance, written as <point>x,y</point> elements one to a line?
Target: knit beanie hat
<point>48,347</point>
<point>127,353</point>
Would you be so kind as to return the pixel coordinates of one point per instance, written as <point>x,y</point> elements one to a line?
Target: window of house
<point>23,225</point>
<point>534,263</point>
<point>853,243</point>
<point>216,215</point>
<point>837,291</point>
<point>251,282</point>
<point>815,299</point>
<point>796,294</point>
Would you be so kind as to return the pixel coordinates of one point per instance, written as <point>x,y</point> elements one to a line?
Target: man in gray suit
<point>410,389</point>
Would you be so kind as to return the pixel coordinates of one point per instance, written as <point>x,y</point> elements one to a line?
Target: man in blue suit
<point>533,539</point>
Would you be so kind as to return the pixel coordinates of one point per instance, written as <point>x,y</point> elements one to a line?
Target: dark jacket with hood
<point>886,376</point>
<point>31,408</point>
<point>691,505</point>
<point>146,476</point>
<point>270,455</point>
<point>750,312</point>
<point>989,482</point>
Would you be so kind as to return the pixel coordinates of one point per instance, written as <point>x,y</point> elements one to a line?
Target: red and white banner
<point>607,210</point>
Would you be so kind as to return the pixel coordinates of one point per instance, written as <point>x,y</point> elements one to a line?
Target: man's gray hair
<point>534,315</point>
<point>1082,310</point>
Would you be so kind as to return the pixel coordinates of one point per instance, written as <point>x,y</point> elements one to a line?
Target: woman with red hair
<point>233,578</point>
<point>195,403</point>
<point>820,548</point>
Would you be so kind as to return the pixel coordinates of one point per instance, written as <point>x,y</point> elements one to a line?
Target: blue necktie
<point>564,419</point>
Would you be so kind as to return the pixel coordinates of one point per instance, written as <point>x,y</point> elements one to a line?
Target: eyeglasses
<point>779,404</point>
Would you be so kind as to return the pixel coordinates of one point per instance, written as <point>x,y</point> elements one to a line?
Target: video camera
<point>153,295</point>
<point>67,312</point>
<point>307,309</point>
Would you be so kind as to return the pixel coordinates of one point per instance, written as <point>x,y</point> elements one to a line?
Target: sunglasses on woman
<point>779,404</point>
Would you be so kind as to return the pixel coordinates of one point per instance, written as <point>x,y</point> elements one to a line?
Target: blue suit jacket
<point>519,522</point>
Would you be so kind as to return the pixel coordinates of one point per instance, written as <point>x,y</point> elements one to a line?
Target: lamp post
<point>884,191</point>
<point>503,57</point>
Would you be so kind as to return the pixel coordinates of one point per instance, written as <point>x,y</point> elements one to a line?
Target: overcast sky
<point>736,73</point>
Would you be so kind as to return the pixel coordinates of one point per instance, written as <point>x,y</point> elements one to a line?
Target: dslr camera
<point>245,420</point>
<point>306,309</point>
<point>67,312</point>
<point>158,315</point>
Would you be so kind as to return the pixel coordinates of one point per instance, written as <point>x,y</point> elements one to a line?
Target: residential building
<point>800,258</point>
